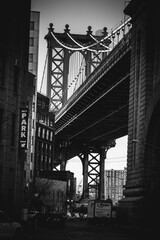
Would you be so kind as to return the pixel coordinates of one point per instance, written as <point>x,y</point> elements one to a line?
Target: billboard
<point>23,127</point>
<point>103,209</point>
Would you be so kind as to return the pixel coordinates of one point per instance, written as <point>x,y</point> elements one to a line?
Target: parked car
<point>9,228</point>
<point>52,220</point>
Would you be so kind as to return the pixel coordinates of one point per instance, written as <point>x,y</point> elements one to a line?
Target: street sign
<point>23,127</point>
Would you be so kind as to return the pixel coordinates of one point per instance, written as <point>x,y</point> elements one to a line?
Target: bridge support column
<point>102,169</point>
<point>140,205</point>
<point>84,159</point>
<point>93,160</point>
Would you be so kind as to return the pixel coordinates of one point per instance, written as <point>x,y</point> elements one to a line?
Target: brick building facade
<point>44,146</point>
<point>15,82</point>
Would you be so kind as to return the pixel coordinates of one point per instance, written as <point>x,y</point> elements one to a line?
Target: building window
<point>31,25</point>
<point>47,134</point>
<point>51,135</point>
<point>33,123</point>
<point>31,41</point>
<point>41,164</point>
<point>41,104</point>
<point>50,150</point>
<point>41,118</point>
<point>43,133</point>
<point>33,107</point>
<point>51,123</point>
<point>39,131</point>
<point>32,140</point>
<point>31,57</point>
<point>31,157</point>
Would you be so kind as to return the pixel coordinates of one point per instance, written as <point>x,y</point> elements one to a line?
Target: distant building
<point>58,190</point>
<point>34,42</point>
<point>44,145</point>
<point>52,193</point>
<point>32,106</point>
<point>114,182</point>
<point>32,103</point>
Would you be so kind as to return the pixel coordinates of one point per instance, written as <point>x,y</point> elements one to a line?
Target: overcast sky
<point>79,14</point>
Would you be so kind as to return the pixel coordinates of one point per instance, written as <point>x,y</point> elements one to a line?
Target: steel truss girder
<point>59,62</point>
<point>57,78</point>
<point>93,172</point>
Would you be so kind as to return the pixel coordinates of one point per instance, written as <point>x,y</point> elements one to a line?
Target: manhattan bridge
<point>76,97</point>
<point>103,87</point>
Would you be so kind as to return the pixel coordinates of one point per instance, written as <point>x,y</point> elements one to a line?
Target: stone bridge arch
<point>152,163</point>
<point>152,153</point>
<point>141,203</point>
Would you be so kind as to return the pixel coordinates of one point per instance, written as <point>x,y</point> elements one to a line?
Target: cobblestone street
<point>81,231</point>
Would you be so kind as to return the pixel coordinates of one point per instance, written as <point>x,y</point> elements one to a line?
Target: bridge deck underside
<point>101,114</point>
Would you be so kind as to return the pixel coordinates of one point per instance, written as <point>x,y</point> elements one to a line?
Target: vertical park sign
<point>23,127</point>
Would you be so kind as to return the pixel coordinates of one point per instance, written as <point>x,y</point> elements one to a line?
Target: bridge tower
<point>71,58</point>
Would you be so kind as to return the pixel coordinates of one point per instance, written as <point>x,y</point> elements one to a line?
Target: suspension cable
<point>44,71</point>
<point>74,48</point>
<point>96,42</point>
<point>88,47</point>
<point>109,49</point>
